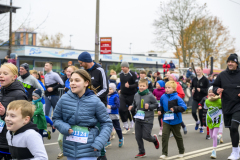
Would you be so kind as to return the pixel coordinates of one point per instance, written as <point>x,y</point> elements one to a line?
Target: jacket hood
<point>87,93</point>
<point>161,89</point>
<point>16,85</point>
<point>28,126</point>
<point>232,71</point>
<point>113,93</point>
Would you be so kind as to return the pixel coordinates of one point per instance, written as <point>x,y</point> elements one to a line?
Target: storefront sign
<point>106,45</point>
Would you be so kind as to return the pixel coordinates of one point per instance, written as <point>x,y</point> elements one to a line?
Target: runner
<point>52,82</point>
<point>199,88</point>
<point>227,83</point>
<point>128,89</point>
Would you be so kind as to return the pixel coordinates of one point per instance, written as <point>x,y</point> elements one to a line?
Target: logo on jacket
<point>92,78</point>
<point>235,60</point>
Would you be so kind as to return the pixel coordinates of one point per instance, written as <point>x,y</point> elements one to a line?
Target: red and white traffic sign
<point>106,45</point>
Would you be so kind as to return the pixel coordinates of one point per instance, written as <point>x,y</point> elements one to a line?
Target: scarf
<point>143,92</point>
<point>35,101</point>
<point>25,75</point>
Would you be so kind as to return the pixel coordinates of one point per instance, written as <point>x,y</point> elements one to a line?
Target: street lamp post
<point>70,41</point>
<point>97,33</point>
<point>10,29</point>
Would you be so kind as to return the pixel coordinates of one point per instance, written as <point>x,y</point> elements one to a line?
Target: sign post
<point>106,45</point>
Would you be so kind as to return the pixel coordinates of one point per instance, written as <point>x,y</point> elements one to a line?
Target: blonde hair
<point>73,67</point>
<point>27,108</point>
<point>112,71</point>
<point>113,77</point>
<point>172,84</point>
<point>143,81</point>
<point>33,72</point>
<point>12,68</point>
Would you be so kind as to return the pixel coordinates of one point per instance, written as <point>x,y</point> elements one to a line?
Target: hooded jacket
<point>39,117</point>
<point>229,81</point>
<point>26,143</point>
<point>14,91</point>
<point>99,81</point>
<point>168,101</point>
<point>159,92</point>
<point>86,111</point>
<point>149,113</point>
<point>203,84</point>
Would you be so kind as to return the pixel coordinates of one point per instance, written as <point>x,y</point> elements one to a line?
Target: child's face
<point>184,81</point>
<point>170,78</point>
<point>158,86</point>
<point>110,91</point>
<point>211,92</point>
<point>77,84</point>
<point>6,76</point>
<point>34,97</point>
<point>142,86</point>
<point>14,120</point>
<point>169,89</point>
<point>142,76</point>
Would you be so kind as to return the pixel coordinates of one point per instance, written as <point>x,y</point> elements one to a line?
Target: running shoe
<point>156,143</point>
<point>140,155</point>
<point>163,157</point>
<point>201,130</point>
<point>185,130</point>
<point>180,155</point>
<point>214,154</point>
<point>234,156</point>
<point>197,125</point>
<point>49,135</point>
<point>124,131</point>
<point>121,142</point>
<point>208,137</point>
<point>108,144</point>
<point>60,155</point>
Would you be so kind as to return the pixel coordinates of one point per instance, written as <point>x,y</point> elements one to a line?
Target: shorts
<point>228,118</point>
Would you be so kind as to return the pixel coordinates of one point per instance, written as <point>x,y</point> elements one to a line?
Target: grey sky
<point>126,21</point>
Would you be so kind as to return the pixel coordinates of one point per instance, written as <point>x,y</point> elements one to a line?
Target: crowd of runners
<point>85,106</point>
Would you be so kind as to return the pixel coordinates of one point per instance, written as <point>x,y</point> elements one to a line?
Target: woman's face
<point>6,76</point>
<point>69,72</point>
<point>37,76</point>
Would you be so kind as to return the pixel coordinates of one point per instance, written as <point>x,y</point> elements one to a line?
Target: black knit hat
<point>233,57</point>
<point>25,65</point>
<point>37,93</point>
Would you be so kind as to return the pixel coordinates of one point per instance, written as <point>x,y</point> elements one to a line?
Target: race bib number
<point>109,110</point>
<point>2,123</point>
<point>215,112</point>
<point>140,115</point>
<point>168,116</point>
<point>79,134</point>
<point>158,103</point>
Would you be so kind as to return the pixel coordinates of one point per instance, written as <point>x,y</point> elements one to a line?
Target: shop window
<point>29,62</point>
<point>56,67</point>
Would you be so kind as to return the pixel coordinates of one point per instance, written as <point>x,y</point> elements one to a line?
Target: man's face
<point>199,71</point>
<point>232,65</point>
<point>125,69</point>
<point>83,64</point>
<point>48,67</point>
<point>22,71</point>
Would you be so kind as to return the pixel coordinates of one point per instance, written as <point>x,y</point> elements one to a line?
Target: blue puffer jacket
<point>168,101</point>
<point>114,102</point>
<point>86,111</point>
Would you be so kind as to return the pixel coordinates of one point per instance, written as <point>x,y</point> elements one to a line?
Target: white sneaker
<point>124,131</point>
<point>163,157</point>
<point>234,156</point>
<point>180,155</point>
<point>160,133</point>
<point>133,132</point>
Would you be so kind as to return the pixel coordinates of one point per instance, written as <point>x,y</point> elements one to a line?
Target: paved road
<point>196,146</point>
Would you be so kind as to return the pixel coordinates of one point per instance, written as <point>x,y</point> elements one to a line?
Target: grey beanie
<point>124,64</point>
<point>25,66</point>
<point>113,86</point>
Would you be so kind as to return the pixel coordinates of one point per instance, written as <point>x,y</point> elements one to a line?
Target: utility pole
<point>97,33</point>
<point>70,41</point>
<point>130,48</point>
<point>10,30</point>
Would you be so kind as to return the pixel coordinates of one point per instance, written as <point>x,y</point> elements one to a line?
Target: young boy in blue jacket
<point>113,106</point>
<point>171,106</point>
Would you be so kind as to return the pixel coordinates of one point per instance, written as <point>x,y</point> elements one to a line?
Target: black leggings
<point>5,156</point>
<point>194,112</point>
<point>234,133</point>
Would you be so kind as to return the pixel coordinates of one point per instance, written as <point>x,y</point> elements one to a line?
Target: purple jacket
<point>159,92</point>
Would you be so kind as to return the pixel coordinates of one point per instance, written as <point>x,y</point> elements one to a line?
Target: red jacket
<point>180,91</point>
<point>166,67</point>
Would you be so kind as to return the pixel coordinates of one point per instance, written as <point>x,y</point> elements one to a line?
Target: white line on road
<point>49,144</point>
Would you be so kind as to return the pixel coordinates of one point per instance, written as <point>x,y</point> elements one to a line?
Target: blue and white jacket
<point>168,101</point>
<point>86,111</point>
<point>114,102</point>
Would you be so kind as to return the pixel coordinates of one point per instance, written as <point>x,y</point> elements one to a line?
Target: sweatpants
<point>117,127</point>
<point>194,112</point>
<point>125,100</point>
<point>143,131</point>
<point>213,134</point>
<point>177,135</point>
<point>50,101</point>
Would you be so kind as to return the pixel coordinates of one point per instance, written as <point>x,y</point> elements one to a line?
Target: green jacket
<point>39,117</point>
<point>214,113</point>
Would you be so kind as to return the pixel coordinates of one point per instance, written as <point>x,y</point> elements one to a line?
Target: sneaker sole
<point>162,158</point>
<point>213,157</point>
<point>108,146</point>
<point>157,140</point>
<point>140,156</point>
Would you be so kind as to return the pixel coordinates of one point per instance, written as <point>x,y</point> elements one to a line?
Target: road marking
<point>201,150</point>
<point>49,144</point>
<point>191,124</point>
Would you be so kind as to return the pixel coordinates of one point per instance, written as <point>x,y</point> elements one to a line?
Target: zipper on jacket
<point>75,143</point>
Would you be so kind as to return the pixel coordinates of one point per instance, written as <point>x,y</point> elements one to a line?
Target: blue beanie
<point>161,83</point>
<point>85,57</point>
